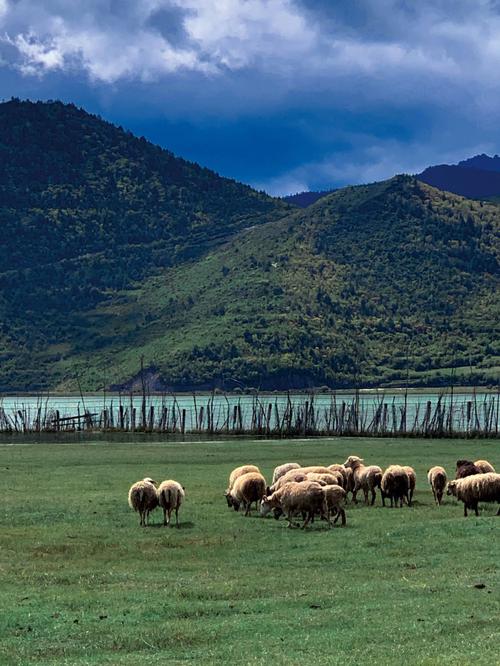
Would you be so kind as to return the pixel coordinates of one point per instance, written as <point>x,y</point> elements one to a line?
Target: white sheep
<point>142,497</point>
<point>343,470</point>
<point>235,474</point>
<point>484,466</point>
<point>250,487</point>
<point>437,480</point>
<point>412,482</point>
<point>305,497</point>
<point>292,475</point>
<point>476,488</point>
<point>366,478</point>
<point>281,470</point>
<point>333,479</point>
<point>395,485</point>
<point>335,497</point>
<point>170,497</point>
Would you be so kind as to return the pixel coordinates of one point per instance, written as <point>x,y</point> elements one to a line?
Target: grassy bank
<point>81,583</point>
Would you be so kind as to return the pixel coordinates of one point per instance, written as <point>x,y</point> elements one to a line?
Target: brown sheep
<point>332,479</point>
<point>343,470</point>
<point>395,485</point>
<point>466,468</point>
<point>366,478</point>
<point>437,479</point>
<point>292,475</point>
<point>484,466</point>
<point>250,487</point>
<point>476,488</point>
<point>170,497</point>
<point>142,497</point>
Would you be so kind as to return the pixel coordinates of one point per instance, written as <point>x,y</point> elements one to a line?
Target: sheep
<point>316,469</point>
<point>250,487</point>
<point>281,470</point>
<point>342,470</point>
<point>170,497</point>
<point>466,468</point>
<point>332,479</point>
<point>412,482</point>
<point>334,500</point>
<point>484,466</point>
<point>395,485</point>
<point>349,485</point>
<point>366,478</point>
<point>437,479</point>
<point>142,497</point>
<point>476,488</point>
<point>235,474</point>
<point>304,497</point>
<point>292,475</point>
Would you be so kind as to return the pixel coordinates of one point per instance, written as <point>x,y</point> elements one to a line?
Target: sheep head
<point>148,479</point>
<point>353,462</point>
<point>229,499</point>
<point>452,488</point>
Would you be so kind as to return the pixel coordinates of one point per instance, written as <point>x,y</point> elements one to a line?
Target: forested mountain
<point>305,199</point>
<point>477,177</point>
<point>128,252</point>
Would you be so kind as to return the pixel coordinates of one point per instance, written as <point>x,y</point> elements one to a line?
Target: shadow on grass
<point>185,525</point>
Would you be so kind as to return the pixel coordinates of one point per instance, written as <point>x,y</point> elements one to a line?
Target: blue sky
<point>285,95</point>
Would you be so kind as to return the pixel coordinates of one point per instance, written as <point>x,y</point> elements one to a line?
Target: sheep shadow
<point>184,525</point>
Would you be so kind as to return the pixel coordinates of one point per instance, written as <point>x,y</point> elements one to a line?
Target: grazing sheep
<point>305,497</point>
<point>332,479</point>
<point>316,469</point>
<point>412,482</point>
<point>349,486</point>
<point>395,485</point>
<point>437,479</point>
<point>235,474</point>
<point>366,478</point>
<point>342,470</point>
<point>484,466</point>
<point>466,468</point>
<point>292,475</point>
<point>335,499</point>
<point>170,497</point>
<point>476,488</point>
<point>142,497</point>
<point>250,487</point>
<point>281,470</point>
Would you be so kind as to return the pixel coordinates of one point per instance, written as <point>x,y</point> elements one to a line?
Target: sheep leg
<point>498,512</point>
<point>165,523</point>
<point>307,520</point>
<point>476,510</point>
<point>354,493</point>
<point>247,506</point>
<point>365,492</point>
<point>340,514</point>
<point>374,494</point>
<point>177,516</point>
<point>465,510</point>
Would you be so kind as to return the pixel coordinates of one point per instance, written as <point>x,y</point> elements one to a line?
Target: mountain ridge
<point>138,254</point>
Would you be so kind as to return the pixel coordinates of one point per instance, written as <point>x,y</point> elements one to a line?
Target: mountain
<point>86,212</point>
<point>476,178</point>
<point>115,250</point>
<point>305,199</point>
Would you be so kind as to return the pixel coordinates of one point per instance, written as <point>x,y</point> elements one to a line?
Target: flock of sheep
<point>323,491</point>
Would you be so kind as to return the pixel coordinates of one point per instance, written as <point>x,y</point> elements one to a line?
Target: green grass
<point>81,583</point>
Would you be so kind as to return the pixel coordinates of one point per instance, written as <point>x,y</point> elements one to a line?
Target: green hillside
<point>233,289</point>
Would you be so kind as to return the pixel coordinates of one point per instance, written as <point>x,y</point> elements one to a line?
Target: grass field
<point>81,583</point>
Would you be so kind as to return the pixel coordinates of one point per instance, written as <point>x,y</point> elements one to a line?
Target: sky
<point>286,95</point>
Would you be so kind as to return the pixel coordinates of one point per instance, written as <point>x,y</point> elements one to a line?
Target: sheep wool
<point>304,497</point>
<point>250,487</point>
<point>366,478</point>
<point>334,501</point>
<point>395,485</point>
<point>170,497</point>
<point>343,470</point>
<point>292,475</point>
<point>412,482</point>
<point>142,497</point>
<point>281,470</point>
<point>235,474</point>
<point>437,480</point>
<point>332,479</point>
<point>466,468</point>
<point>484,466</point>
<point>476,488</point>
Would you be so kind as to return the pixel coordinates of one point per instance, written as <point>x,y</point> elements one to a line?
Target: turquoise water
<point>468,410</point>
